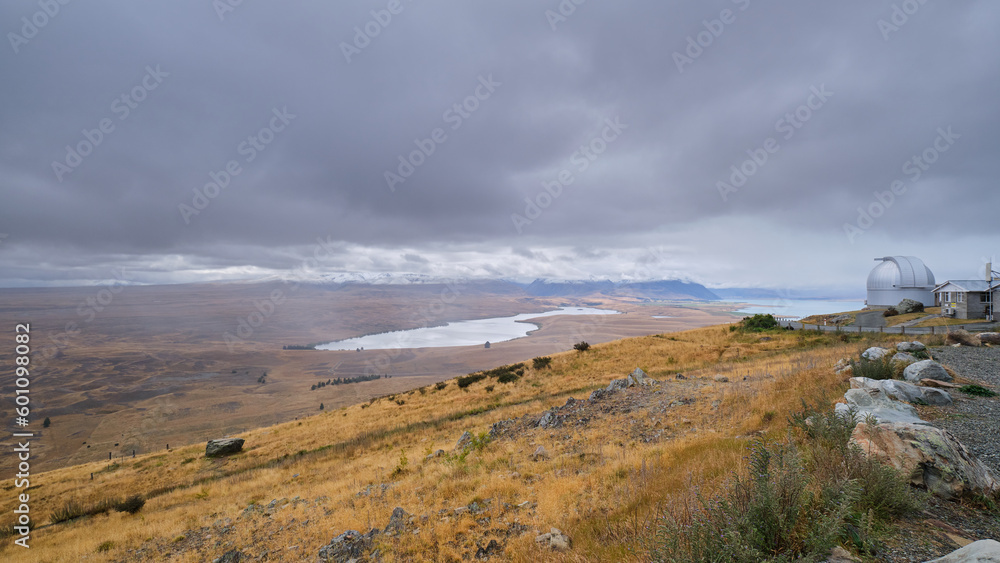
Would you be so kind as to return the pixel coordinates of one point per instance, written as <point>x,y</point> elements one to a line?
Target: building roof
<point>972,286</point>
<point>899,272</point>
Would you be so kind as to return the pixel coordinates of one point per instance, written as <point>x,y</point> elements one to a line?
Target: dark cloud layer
<point>894,74</point>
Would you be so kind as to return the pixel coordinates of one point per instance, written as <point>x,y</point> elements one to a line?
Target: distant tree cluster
<point>347,380</point>
<point>503,374</point>
<point>299,347</point>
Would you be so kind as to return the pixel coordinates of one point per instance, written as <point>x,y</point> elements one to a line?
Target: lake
<point>798,308</point>
<point>460,333</point>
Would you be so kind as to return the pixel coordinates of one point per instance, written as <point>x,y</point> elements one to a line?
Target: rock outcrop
<point>930,457</point>
<point>555,539</point>
<point>907,306</point>
<point>349,546</point>
<point>982,551</point>
<point>225,446</point>
<point>874,402</point>
<point>902,391</point>
<point>911,347</point>
<point>875,353</point>
<point>926,369</point>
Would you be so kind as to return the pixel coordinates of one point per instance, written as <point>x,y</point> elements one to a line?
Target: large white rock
<point>927,369</point>
<point>928,456</point>
<point>902,391</point>
<point>875,353</point>
<point>982,551</point>
<point>905,358</point>
<point>875,402</point>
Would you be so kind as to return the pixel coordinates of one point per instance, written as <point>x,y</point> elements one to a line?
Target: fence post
<point>903,329</point>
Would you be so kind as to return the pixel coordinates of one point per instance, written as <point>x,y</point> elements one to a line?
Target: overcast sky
<point>641,108</point>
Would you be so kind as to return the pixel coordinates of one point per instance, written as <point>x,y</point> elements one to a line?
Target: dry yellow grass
<point>600,486</point>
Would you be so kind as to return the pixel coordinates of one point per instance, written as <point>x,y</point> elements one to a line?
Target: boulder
<point>349,546</point>
<point>963,338</point>
<point>982,551</point>
<point>721,379</point>
<point>932,458</point>
<point>225,446</point>
<point>926,369</point>
<point>874,402</point>
<point>597,394</point>
<point>540,453</point>
<point>231,556</point>
<point>905,358</point>
<point>910,347</point>
<point>464,440</point>
<point>617,385</point>
<point>874,353</point>
<point>902,391</point>
<point>555,540</point>
<point>548,419</point>
<point>907,306</point>
<point>638,377</point>
<point>989,337</point>
<point>397,522</point>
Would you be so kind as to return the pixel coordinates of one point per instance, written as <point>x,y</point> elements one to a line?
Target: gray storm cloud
<point>191,140</point>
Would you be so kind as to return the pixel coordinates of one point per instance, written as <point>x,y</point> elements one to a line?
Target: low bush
<point>440,385</point>
<point>581,346</point>
<point>541,362</point>
<point>467,380</point>
<point>977,390</point>
<point>759,323</point>
<point>882,368</point>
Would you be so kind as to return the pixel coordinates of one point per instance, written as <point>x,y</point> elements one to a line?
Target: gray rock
<point>349,546</point>
<point>982,551</point>
<point>841,555</point>
<point>617,385</point>
<point>929,457</point>
<point>231,556</point>
<point>548,419</point>
<point>902,391</point>
<point>397,522</point>
<point>907,306</point>
<point>910,347</point>
<point>225,446</point>
<point>989,337</point>
<point>555,540</point>
<point>874,402</point>
<point>721,379</point>
<point>874,353</point>
<point>905,358</point>
<point>639,377</point>
<point>597,394</point>
<point>926,369</point>
<point>464,440</point>
<point>540,453</point>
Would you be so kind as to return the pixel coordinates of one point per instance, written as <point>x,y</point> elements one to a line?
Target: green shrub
<point>977,390</point>
<point>106,546</point>
<point>759,323</point>
<point>882,368</point>
<point>440,385</point>
<point>581,346</point>
<point>467,380</point>
<point>70,510</point>
<point>508,378</point>
<point>541,362</point>
<point>131,504</point>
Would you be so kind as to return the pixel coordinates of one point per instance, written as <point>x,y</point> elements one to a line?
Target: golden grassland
<point>601,487</point>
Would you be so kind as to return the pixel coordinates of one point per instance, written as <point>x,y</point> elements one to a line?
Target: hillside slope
<point>608,465</point>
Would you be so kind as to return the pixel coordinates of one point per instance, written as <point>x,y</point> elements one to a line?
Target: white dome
<point>896,272</point>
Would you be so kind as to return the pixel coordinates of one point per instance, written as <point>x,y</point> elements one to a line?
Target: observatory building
<point>898,278</point>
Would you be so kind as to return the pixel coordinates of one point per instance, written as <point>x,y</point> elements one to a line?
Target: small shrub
<point>467,380</point>
<point>882,368</point>
<point>541,362</point>
<point>106,546</point>
<point>46,423</point>
<point>400,402</point>
<point>581,346</point>
<point>759,323</point>
<point>921,355</point>
<point>890,312</point>
<point>423,390</point>
<point>507,378</point>
<point>131,504</point>
<point>489,388</point>
<point>977,390</point>
<point>71,510</point>
<point>440,385</point>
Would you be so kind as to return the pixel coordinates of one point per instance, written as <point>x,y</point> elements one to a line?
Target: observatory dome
<point>900,277</point>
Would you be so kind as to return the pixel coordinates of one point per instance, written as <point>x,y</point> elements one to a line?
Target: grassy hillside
<point>610,466</point>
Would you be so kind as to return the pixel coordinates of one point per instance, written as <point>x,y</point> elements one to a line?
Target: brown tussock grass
<point>600,486</point>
